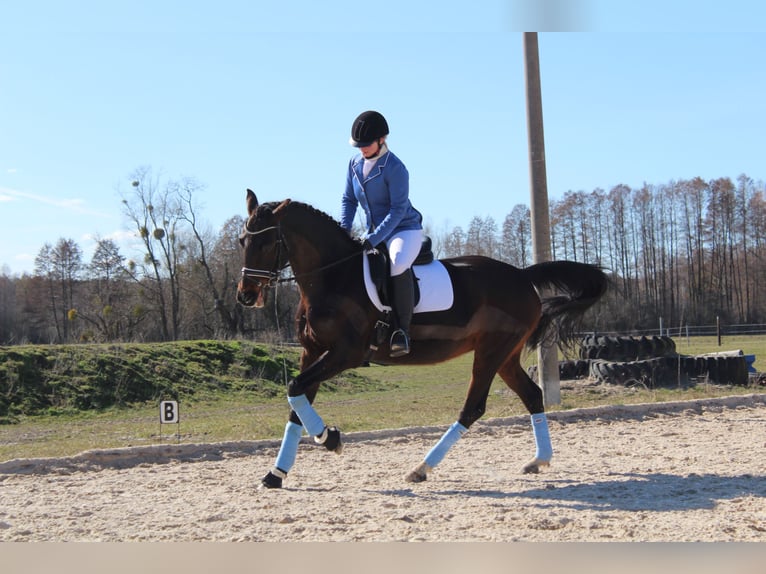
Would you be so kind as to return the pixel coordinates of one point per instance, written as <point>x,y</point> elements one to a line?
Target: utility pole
<point>547,356</point>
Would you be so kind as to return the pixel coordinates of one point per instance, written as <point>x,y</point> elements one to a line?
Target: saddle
<point>381,277</point>
<point>380,269</point>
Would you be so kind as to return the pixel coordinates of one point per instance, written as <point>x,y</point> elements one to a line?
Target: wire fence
<point>686,331</point>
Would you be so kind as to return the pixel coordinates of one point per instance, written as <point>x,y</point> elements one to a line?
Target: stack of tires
<point>649,361</point>
<point>631,360</point>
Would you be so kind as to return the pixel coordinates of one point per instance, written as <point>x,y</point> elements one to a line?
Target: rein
<point>272,276</point>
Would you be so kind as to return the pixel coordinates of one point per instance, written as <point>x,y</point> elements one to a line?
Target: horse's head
<point>263,253</point>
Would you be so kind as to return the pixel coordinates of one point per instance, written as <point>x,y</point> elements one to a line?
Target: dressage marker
<point>169,415</point>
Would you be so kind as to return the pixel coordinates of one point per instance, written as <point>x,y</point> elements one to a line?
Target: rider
<point>379,182</point>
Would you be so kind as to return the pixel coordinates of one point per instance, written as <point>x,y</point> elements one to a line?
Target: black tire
<point>582,369</point>
<point>626,348</point>
<point>568,370</point>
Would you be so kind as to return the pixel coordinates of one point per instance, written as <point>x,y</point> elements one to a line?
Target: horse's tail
<point>578,286</point>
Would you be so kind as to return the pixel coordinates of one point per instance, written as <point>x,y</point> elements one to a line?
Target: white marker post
<point>169,415</point>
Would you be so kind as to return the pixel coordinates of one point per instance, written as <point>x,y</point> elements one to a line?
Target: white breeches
<point>403,248</point>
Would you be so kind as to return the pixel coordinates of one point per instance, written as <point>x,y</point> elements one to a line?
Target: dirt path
<point>686,471</point>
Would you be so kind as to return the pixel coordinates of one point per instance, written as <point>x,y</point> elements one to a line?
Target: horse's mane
<point>332,224</point>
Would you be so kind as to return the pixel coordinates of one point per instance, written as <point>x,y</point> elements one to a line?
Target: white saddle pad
<point>436,292</point>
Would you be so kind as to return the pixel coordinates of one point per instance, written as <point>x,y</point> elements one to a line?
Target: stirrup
<point>400,344</point>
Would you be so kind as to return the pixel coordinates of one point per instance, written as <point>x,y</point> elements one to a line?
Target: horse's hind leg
<point>532,396</point>
<point>485,366</point>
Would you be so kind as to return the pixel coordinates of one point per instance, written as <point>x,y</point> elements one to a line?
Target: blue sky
<point>241,94</point>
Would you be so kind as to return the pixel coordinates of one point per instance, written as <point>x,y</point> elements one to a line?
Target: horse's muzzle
<point>252,295</point>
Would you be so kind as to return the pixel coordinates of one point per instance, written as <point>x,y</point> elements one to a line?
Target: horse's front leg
<point>301,392</point>
<point>288,450</point>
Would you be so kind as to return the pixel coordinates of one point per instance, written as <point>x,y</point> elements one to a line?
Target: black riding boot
<point>403,301</point>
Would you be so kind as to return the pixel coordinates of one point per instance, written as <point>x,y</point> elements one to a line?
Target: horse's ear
<point>281,206</point>
<point>252,202</point>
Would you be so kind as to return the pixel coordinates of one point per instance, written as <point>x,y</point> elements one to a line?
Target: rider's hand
<point>367,246</point>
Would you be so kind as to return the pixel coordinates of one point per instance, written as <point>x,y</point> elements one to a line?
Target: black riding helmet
<point>368,127</point>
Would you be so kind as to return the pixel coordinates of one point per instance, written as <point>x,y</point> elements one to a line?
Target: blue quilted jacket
<point>383,196</point>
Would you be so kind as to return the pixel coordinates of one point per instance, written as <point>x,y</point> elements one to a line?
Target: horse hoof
<point>419,474</point>
<point>333,442</point>
<point>534,466</point>
<point>271,480</point>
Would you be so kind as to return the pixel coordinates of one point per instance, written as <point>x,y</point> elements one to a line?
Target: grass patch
<point>235,391</point>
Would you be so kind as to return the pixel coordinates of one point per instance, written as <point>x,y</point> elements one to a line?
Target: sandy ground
<point>685,471</point>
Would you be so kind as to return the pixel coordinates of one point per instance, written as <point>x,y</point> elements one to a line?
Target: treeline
<point>686,251</point>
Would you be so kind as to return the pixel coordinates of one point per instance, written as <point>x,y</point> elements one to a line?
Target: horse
<point>496,312</point>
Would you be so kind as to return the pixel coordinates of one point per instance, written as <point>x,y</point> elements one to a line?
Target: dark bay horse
<point>496,313</point>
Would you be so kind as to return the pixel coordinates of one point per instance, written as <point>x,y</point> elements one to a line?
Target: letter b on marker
<point>168,412</point>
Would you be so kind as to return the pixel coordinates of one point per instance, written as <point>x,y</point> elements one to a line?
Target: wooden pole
<point>718,329</point>
<point>547,356</point>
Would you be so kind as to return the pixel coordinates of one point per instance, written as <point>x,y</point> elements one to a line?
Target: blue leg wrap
<point>311,420</point>
<point>289,448</point>
<point>437,453</point>
<point>542,437</point>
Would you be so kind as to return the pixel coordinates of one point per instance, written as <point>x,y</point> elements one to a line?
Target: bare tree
<point>60,266</point>
<point>218,283</point>
<point>481,237</point>
<point>515,245</point>
<point>454,242</point>
<point>155,212</point>
<point>8,307</point>
<point>107,305</point>
<point>227,257</point>
<point>618,209</point>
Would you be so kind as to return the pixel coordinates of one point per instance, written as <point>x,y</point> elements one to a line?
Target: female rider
<point>378,181</point>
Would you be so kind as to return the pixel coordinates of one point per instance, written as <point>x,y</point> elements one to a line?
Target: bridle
<point>272,277</point>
